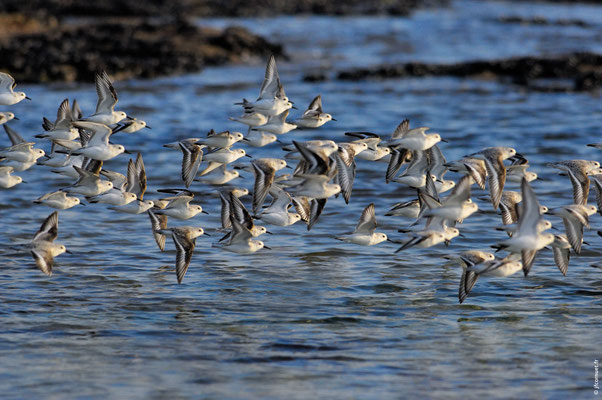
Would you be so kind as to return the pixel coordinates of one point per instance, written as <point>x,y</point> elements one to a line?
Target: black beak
<point>461,235</point>
<point>289,167</point>
<point>389,240</point>
<point>206,234</point>
<point>245,139</point>
<point>16,118</point>
<point>332,119</point>
<point>148,127</point>
<point>248,155</point>
<point>82,204</point>
<point>28,98</point>
<point>266,247</point>
<point>268,232</point>
<point>294,108</point>
<point>444,141</point>
<point>204,212</point>
<point>127,152</point>
<point>69,252</point>
<point>22,181</point>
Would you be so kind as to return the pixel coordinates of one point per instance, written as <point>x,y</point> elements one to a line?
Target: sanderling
<point>259,139</point>
<point>219,176</point>
<point>179,206</point>
<point>496,171</point>
<point>6,179</point>
<point>6,116</point>
<point>313,117</point>
<point>136,177</point>
<point>415,174</point>
<point>527,239</point>
<point>470,256</point>
<point>184,238</point>
<point>413,139</point>
<point>42,247</point>
<point>373,152</point>
<point>408,209</point>
<point>364,233</point>
<point>578,172</point>
<point>8,96</point>
<point>222,139</point>
<point>232,207</point>
<point>455,207</point>
<point>107,99</point>
<point>345,162</point>
<point>277,212</point>
<point>264,170</point>
<point>88,183</point>
<point>98,147</point>
<point>58,200</point>
<point>23,152</point>
<point>516,172</point>
<point>224,155</point>
<point>277,124</point>
<point>241,241</point>
<point>192,155</point>
<point>251,118</point>
<point>574,218</point>
<point>271,100</point>
<point>498,268</point>
<point>316,187</point>
<point>62,128</point>
<point>471,166</point>
<point>562,249</point>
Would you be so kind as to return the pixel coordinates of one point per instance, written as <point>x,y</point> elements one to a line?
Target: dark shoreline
<point>569,72</point>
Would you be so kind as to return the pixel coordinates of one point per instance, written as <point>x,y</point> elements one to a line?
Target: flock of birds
<point>324,169</point>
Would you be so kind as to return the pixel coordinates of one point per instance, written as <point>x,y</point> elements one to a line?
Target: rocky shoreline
<point>570,72</point>
<point>129,47</point>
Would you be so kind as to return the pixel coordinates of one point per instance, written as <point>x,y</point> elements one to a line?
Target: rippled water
<point>313,316</point>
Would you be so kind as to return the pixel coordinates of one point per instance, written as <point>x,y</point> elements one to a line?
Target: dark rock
<point>543,21</point>
<point>209,8</point>
<point>126,48</point>
<point>583,69</point>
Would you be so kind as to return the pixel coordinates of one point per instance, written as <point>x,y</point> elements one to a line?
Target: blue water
<point>314,317</point>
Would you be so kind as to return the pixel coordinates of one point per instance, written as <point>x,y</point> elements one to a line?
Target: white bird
<point>259,139</point>
<point>413,139</point>
<point>8,96</point>
<point>241,241</point>
<point>277,212</point>
<point>224,155</point>
<point>221,139</point>
<point>575,217</point>
<point>107,99</point>
<point>6,179</point>
<point>277,124</point>
<point>252,119</point>
<point>134,207</point>
<point>98,147</point>
<point>527,240</point>
<point>365,231</point>
<point>184,238</point>
<point>316,187</point>
<point>496,171</point>
<point>62,128</point>
<point>219,176</point>
<point>42,247</point>
<point>498,268</point>
<point>179,206</point>
<point>6,116</point>
<point>58,200</point>
<point>265,170</point>
<point>271,100</point>
<point>22,152</point>
<point>313,117</point>
<point>408,209</point>
<point>88,183</point>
